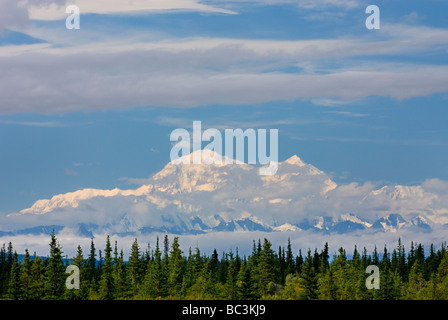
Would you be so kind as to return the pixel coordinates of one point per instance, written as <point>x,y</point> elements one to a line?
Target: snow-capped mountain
<point>203,198</point>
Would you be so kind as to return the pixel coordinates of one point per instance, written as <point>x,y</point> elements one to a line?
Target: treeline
<point>166,272</point>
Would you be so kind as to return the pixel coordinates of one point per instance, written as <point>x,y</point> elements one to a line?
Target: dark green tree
<point>15,285</point>
<point>25,275</point>
<point>55,276</point>
<point>308,279</point>
<point>244,283</point>
<point>37,279</point>
<point>106,290</point>
<point>232,273</point>
<point>81,263</point>
<point>176,268</point>
<point>339,268</point>
<point>4,274</point>
<point>416,282</point>
<point>299,262</point>
<point>327,289</point>
<point>290,264</point>
<point>267,270</point>
<point>134,268</point>
<point>152,284</point>
<point>91,272</point>
<point>120,283</point>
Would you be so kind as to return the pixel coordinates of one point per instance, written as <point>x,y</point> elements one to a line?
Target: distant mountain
<point>392,222</point>
<point>204,198</point>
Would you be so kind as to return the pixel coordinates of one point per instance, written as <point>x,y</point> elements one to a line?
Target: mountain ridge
<point>201,198</point>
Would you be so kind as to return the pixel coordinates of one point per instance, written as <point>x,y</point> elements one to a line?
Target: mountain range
<point>205,198</point>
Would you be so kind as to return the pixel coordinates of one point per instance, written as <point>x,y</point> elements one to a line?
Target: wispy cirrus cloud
<point>18,14</point>
<point>138,81</point>
<point>48,124</point>
<point>130,71</point>
<point>348,114</point>
<point>386,141</point>
<point>55,12</point>
<point>305,4</point>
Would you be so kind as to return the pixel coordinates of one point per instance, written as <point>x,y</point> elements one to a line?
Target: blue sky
<point>94,107</point>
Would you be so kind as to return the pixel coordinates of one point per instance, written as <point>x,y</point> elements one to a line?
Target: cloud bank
<point>207,71</point>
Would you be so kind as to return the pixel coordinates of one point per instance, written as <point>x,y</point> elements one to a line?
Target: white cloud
<point>14,14</point>
<point>349,114</point>
<point>57,12</point>
<point>349,139</point>
<point>304,4</point>
<point>32,123</point>
<point>97,82</point>
<point>131,71</point>
<point>436,185</point>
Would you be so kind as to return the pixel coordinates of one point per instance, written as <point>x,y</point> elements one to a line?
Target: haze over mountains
<point>193,199</point>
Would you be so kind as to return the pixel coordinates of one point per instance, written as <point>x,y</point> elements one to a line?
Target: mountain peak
<point>205,156</point>
<point>295,160</point>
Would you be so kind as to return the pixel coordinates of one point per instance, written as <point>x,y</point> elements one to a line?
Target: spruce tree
<point>244,283</point>
<point>324,259</point>
<point>339,271</point>
<point>401,256</point>
<point>232,273</point>
<point>25,275</point>
<point>388,282</point>
<point>176,266</point>
<point>166,246</point>
<point>355,287</point>
<point>37,279</point>
<point>416,282</point>
<point>266,270</point>
<point>134,268</point>
<point>106,290</point>
<point>55,272</point>
<point>3,271</point>
<point>91,273</point>
<point>326,288</point>
<point>164,286</point>
<point>15,286</point>
<point>81,263</point>
<point>152,284</point>
<point>193,270</point>
<point>10,256</point>
<point>7,258</point>
<point>290,265</point>
<point>431,263</point>
<point>214,265</point>
<point>281,262</point>
<point>442,278</point>
<point>308,279</point>
<point>299,262</point>
<point>209,284</point>
<point>120,283</point>
<point>223,266</point>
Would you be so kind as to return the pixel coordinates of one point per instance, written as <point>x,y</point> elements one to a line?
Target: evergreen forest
<point>166,272</point>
